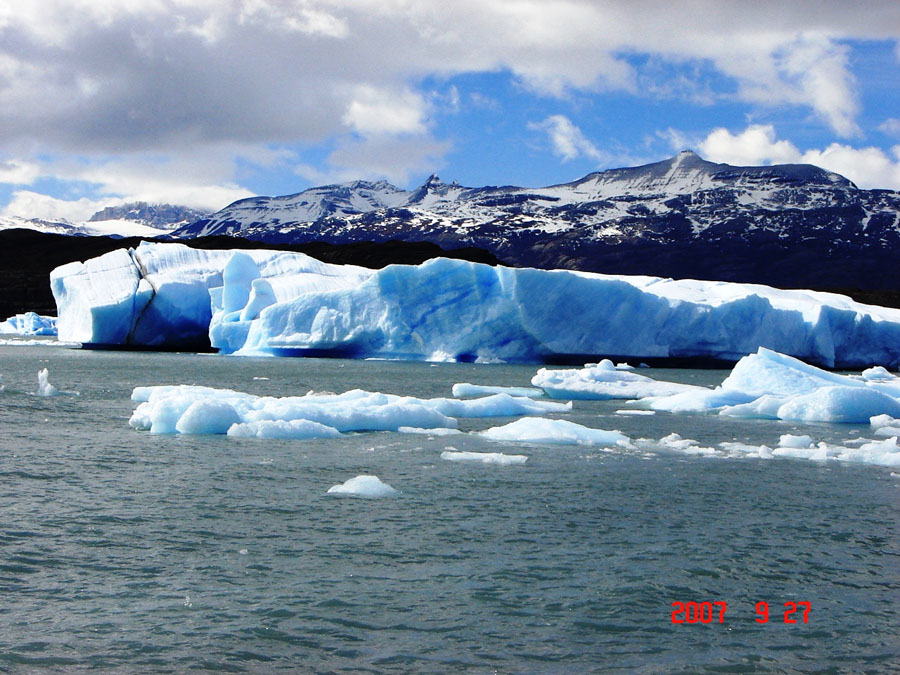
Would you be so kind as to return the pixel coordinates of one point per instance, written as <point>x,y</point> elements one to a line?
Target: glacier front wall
<point>269,302</point>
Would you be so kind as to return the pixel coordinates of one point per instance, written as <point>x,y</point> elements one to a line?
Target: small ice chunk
<point>687,446</point>
<point>47,389</point>
<point>877,373</point>
<point>839,404</point>
<point>484,457</point>
<point>879,421</point>
<point>791,441</point>
<point>563,432</point>
<point>298,429</point>
<point>44,386</point>
<point>884,425</point>
<point>431,432</point>
<point>635,412</point>
<point>461,389</point>
<point>363,486</point>
<point>603,381</point>
<point>207,417</point>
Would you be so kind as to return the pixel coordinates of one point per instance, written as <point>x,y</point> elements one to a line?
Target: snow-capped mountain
<point>683,216</point>
<point>137,219</point>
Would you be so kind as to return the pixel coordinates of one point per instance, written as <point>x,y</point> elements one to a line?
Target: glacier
<point>166,295</point>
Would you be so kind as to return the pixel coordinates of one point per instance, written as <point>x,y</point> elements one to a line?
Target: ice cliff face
<point>269,302</point>
<point>790,225</point>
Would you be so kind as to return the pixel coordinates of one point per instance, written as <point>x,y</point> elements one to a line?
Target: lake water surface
<point>126,551</point>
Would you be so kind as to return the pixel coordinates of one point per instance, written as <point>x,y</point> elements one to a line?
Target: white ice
<point>484,457</point>
<point>299,429</point>
<point>429,432</point>
<point>267,302</point>
<point>603,381</point>
<point>885,425</point>
<point>189,409</point>
<point>562,432</point>
<point>47,389</point>
<point>462,389</point>
<point>770,385</point>
<point>29,323</point>
<point>363,486</point>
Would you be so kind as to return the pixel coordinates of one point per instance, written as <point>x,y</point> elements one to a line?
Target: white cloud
<point>890,126</point>
<point>755,145</point>
<point>567,140</point>
<point>375,157</point>
<point>18,172</point>
<point>868,167</point>
<point>27,204</point>
<point>115,80</point>
<point>381,111</point>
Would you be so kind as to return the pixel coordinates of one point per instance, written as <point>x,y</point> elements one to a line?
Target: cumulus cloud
<point>868,167</point>
<point>17,172</point>
<point>567,140</point>
<point>102,78</point>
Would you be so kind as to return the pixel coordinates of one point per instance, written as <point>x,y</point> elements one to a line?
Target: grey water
<point>125,551</point>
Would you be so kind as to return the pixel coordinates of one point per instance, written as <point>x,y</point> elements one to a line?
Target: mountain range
<point>135,219</point>
<point>787,225</point>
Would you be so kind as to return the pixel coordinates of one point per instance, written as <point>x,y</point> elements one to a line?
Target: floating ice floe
<point>29,323</point>
<point>484,457</point>
<point>462,389</point>
<point>189,409</point>
<point>880,453</point>
<point>265,302</point>
<point>363,486</point>
<point>769,385</point>
<point>603,381</point>
<point>562,432</point>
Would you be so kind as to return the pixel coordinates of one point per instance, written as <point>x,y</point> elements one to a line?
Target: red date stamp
<point>714,612</point>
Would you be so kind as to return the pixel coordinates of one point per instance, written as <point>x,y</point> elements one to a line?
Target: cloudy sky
<point>201,102</point>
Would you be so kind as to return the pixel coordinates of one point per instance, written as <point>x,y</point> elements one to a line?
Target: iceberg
<point>163,294</point>
<point>29,323</point>
<point>270,302</point>
<point>363,486</point>
<point>557,432</point>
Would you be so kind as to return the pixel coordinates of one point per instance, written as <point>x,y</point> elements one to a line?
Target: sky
<point>202,102</point>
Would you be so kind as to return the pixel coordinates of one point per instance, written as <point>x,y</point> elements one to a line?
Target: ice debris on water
<point>189,409</point>
<point>557,432</point>
<point>603,381</point>
<point>484,457</point>
<point>47,389</point>
<point>885,425</point>
<point>430,432</point>
<point>769,385</point>
<point>462,389</point>
<point>363,486</point>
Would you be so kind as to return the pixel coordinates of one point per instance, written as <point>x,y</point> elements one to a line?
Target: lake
<point>122,550</point>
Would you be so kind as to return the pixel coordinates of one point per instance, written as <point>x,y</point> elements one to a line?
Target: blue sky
<point>201,102</point>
